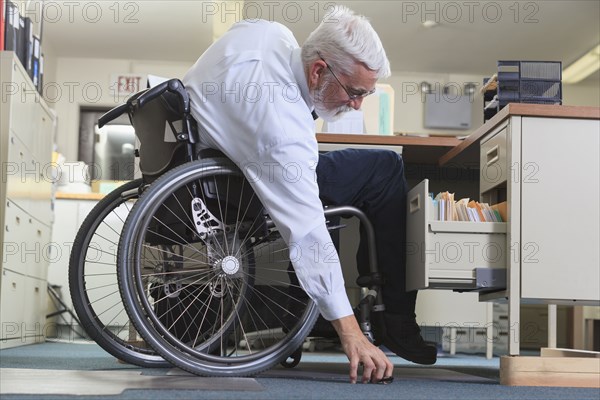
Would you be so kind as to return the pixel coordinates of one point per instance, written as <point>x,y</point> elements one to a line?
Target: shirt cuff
<point>335,306</point>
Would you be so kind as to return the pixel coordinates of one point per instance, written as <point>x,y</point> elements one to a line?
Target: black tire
<point>93,279</point>
<point>236,308</point>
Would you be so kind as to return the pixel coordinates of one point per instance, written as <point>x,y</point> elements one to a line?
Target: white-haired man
<point>258,110</point>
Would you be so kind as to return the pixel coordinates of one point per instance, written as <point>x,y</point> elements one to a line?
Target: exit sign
<point>127,84</point>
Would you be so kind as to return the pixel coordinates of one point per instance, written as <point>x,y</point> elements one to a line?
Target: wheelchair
<point>203,274</point>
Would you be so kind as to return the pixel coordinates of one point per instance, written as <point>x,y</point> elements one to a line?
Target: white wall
<point>582,94</point>
<point>409,101</point>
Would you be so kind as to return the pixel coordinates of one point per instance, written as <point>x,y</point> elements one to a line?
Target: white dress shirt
<point>250,96</point>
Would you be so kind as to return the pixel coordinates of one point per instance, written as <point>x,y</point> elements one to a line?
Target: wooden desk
<point>80,196</point>
<point>544,161</point>
<point>416,149</point>
<point>468,150</point>
<point>444,150</point>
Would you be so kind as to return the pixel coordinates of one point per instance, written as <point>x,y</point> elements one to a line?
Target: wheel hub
<point>230,265</point>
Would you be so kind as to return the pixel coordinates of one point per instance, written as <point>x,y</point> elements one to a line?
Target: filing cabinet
<point>26,132</point>
<point>455,255</point>
<point>543,161</point>
<point>494,168</point>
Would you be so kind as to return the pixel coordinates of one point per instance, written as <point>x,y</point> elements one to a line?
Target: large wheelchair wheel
<point>206,279</point>
<point>93,280</point>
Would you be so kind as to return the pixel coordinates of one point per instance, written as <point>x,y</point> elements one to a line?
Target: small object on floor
<point>385,380</point>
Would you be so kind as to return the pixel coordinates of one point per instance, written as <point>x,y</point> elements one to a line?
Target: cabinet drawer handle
<point>492,155</point>
<point>415,204</point>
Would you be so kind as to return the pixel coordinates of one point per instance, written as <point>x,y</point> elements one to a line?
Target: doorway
<point>108,151</point>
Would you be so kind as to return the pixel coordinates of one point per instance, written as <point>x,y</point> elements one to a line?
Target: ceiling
<point>469,39</point>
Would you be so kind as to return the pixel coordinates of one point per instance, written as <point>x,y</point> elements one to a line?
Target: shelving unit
<point>26,215</point>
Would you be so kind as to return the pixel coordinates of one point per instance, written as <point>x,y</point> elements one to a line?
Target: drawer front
<point>449,255</point>
<point>26,243</point>
<point>42,190</point>
<point>24,106</point>
<point>21,172</point>
<point>38,249</point>
<point>12,295</point>
<point>34,312</point>
<point>28,181</point>
<point>42,147</point>
<point>493,162</point>
<point>453,258</point>
<point>16,238</point>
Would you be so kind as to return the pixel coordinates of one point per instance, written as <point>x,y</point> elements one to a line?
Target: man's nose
<point>356,103</point>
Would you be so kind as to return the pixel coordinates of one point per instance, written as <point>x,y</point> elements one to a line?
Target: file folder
<point>35,62</point>
<point>2,24</point>
<point>11,29</point>
<point>28,46</point>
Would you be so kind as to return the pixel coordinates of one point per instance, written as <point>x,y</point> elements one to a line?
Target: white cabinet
<point>544,161</point>
<point>550,168</point>
<point>70,214</point>
<point>26,130</point>
<point>560,212</point>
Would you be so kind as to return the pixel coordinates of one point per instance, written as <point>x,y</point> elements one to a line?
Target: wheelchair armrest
<point>173,85</point>
<point>112,114</point>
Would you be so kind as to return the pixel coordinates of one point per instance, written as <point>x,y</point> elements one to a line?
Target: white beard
<point>327,114</point>
<point>330,115</point>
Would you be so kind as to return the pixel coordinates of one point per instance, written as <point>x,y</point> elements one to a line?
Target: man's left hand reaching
<point>358,349</point>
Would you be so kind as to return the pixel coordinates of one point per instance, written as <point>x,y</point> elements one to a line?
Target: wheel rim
<point>96,297</point>
<point>257,307</point>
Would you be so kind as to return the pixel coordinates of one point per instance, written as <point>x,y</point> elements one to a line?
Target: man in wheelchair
<point>254,94</point>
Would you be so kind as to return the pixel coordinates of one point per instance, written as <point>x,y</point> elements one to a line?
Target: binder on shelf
<point>21,48</point>
<point>35,62</point>
<point>11,26</point>
<point>40,85</point>
<point>2,24</point>
<point>28,44</point>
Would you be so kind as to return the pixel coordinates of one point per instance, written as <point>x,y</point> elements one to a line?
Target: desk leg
<point>489,346</point>
<point>552,318</point>
<point>452,340</point>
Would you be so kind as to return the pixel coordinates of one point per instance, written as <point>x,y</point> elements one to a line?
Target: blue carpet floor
<point>319,376</point>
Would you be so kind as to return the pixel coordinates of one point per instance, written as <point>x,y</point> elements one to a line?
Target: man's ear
<point>315,71</point>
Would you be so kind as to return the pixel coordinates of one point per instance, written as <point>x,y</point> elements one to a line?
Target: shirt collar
<point>300,75</point>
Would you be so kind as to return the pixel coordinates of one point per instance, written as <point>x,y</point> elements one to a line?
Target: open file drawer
<point>452,254</point>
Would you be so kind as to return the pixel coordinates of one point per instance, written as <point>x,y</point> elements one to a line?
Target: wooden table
<point>468,150</point>
<point>416,149</point>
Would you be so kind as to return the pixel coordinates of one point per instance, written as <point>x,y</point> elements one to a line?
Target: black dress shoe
<point>403,337</point>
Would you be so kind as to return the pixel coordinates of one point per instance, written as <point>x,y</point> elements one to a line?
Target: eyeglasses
<point>351,97</point>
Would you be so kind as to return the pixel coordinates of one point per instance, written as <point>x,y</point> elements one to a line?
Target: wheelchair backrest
<point>156,125</point>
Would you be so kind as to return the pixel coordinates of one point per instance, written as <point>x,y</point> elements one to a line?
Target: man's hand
<point>359,350</point>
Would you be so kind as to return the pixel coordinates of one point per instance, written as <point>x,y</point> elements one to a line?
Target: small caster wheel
<point>293,359</point>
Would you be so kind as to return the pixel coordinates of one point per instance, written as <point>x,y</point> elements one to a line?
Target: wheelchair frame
<point>142,300</point>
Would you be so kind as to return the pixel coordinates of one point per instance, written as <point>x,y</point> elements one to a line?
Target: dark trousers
<point>374,182</point>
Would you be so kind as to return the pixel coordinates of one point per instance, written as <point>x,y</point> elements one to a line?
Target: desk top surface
<point>443,150</point>
<point>415,149</point>
<point>468,149</point>
<point>79,196</point>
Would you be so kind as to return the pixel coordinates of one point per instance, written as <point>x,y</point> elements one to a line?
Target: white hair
<point>344,38</point>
